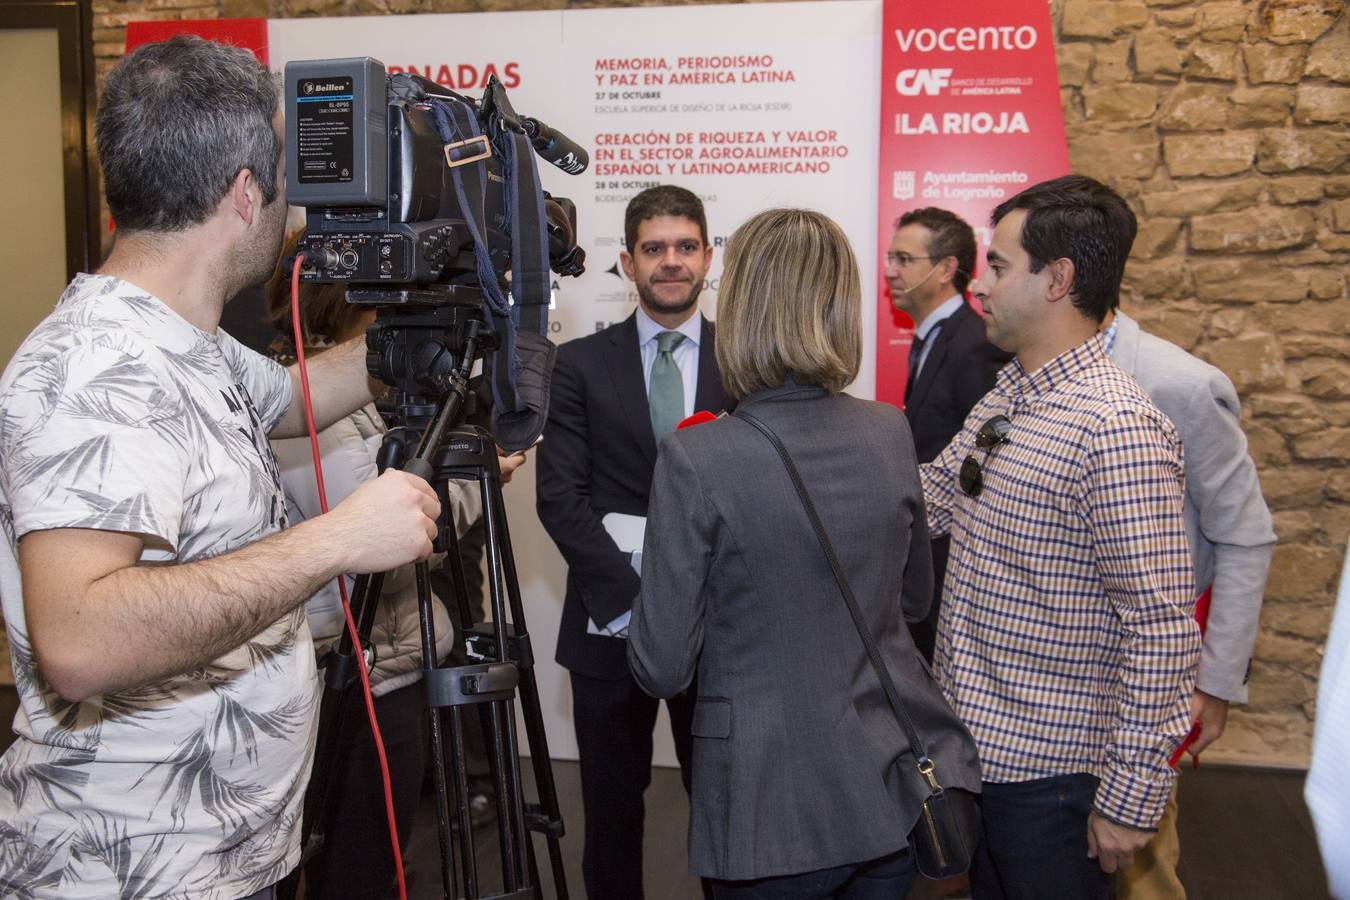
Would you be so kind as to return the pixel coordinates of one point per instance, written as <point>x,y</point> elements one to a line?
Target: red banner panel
<point>251,34</point>
<point>970,115</point>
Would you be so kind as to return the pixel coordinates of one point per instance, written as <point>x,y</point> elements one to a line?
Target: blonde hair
<point>789,304</point>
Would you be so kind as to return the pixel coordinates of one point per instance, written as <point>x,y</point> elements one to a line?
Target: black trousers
<point>614,722</point>
<point>356,860</point>
<point>886,878</point>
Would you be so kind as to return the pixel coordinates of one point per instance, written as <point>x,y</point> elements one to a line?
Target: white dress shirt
<point>686,355</point>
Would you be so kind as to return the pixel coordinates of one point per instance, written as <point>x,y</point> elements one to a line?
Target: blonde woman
<point>804,783</point>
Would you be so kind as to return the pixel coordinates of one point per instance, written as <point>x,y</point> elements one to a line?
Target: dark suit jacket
<point>597,457</point>
<point>799,761</point>
<point>960,370</point>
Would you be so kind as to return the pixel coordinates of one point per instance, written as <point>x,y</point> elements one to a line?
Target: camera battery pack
<point>336,132</point>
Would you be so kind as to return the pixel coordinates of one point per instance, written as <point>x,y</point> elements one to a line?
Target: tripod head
<point>423,344</point>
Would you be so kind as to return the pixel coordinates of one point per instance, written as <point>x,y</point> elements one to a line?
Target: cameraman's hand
<point>383,524</point>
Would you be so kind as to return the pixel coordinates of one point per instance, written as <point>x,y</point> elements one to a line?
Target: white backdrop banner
<point>750,106</point>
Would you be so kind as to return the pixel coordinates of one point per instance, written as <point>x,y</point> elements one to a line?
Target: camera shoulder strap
<point>520,369</point>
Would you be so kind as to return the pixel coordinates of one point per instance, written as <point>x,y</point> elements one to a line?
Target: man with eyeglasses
<point>615,394</point>
<point>1067,641</point>
<point>951,363</point>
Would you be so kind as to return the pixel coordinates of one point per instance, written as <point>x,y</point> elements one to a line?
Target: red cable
<point>342,582</point>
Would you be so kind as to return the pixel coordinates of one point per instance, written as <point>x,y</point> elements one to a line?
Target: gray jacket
<point>1227,523</point>
<point>799,762</point>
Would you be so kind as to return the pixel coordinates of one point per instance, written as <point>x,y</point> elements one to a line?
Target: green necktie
<point>665,395</point>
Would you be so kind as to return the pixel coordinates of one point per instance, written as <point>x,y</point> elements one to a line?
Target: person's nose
<point>979,288</point>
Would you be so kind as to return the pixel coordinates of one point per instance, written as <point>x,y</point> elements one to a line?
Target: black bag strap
<point>925,764</point>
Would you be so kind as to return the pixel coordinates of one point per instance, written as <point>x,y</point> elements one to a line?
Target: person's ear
<point>1061,279</point>
<point>949,269</point>
<point>245,196</point>
<point>626,261</point>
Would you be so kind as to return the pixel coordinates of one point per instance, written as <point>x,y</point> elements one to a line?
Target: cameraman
<point>151,589</point>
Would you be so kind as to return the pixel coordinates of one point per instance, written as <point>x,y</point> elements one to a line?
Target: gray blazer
<point>799,762</point>
<point>1227,523</point>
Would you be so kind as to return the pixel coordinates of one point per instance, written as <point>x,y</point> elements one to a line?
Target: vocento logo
<point>966,39</point>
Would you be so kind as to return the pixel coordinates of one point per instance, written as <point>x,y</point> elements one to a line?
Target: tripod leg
<point>531,710</point>
<point>468,861</point>
<point>506,809</point>
<point>340,673</point>
<point>437,739</point>
<point>493,678</point>
<point>511,828</point>
<point>543,780</point>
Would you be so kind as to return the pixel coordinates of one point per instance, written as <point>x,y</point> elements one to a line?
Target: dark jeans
<point>1035,842</point>
<point>887,878</point>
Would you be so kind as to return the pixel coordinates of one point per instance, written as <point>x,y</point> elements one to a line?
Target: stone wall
<point>1224,123</point>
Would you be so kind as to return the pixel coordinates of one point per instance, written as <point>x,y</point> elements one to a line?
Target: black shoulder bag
<point>943,840</point>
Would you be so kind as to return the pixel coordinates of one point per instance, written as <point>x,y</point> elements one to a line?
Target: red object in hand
<point>697,418</point>
<point>1202,617</point>
<point>1186,742</point>
<point>1202,608</point>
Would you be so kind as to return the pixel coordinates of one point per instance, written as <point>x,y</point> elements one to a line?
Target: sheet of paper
<point>627,532</point>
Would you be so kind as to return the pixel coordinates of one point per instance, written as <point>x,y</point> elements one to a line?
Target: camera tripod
<point>501,665</point>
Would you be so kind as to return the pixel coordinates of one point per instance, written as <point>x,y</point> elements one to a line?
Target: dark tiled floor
<point>1247,834</point>
<point>1244,834</point>
<point>663,842</point>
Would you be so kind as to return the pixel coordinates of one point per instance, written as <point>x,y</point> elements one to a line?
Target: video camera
<point>421,200</point>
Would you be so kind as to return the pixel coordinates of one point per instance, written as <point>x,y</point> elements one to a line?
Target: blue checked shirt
<point>1067,641</point>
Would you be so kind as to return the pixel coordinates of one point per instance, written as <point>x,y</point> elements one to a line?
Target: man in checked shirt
<point>1067,641</point>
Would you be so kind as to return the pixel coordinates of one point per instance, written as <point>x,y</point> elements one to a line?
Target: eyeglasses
<point>901,260</point>
<point>991,435</point>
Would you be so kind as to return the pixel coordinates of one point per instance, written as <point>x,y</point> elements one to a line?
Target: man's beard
<point>650,300</point>
<point>258,261</point>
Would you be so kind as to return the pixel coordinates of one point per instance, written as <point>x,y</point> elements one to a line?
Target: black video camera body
<point>364,156</point>
<point>419,197</point>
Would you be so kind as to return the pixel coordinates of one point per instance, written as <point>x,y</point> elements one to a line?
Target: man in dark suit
<point>951,365</point>
<point>614,395</point>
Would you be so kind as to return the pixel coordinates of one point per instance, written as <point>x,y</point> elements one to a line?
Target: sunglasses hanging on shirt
<point>992,434</point>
